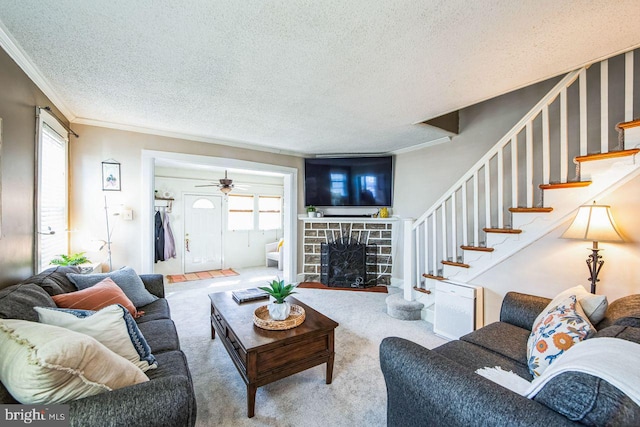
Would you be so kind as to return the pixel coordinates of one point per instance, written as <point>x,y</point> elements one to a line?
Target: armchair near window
<point>275,253</point>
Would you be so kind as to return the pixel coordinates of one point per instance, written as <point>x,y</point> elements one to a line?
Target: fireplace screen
<point>346,263</point>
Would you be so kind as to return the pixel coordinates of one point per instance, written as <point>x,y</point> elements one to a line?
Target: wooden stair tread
<point>424,291</point>
<point>609,155</point>
<point>502,230</point>
<point>530,210</point>
<point>573,184</point>
<point>628,125</point>
<point>431,276</point>
<point>476,248</point>
<point>455,264</point>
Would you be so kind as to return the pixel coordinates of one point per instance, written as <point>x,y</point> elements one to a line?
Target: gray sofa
<point>440,387</point>
<point>166,400</point>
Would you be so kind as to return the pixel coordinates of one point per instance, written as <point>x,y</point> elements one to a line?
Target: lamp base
<point>594,262</point>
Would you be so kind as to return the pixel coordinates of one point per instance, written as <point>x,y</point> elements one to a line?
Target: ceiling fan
<point>225,185</point>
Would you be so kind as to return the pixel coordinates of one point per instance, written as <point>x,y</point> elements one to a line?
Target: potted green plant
<point>279,309</point>
<point>73,259</point>
<point>311,211</point>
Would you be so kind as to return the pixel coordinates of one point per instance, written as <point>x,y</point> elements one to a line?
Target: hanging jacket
<point>159,243</point>
<point>169,243</point>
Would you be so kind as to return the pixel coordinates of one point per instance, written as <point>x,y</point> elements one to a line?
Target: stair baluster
<point>452,224</point>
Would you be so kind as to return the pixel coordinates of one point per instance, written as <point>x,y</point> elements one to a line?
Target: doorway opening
<point>202,165</point>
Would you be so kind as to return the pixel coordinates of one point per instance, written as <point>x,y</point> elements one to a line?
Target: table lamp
<point>595,223</point>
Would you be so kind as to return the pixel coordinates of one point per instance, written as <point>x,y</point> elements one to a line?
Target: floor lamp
<point>594,223</point>
<point>107,243</point>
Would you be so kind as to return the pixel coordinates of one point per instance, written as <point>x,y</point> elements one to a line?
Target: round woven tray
<point>262,319</point>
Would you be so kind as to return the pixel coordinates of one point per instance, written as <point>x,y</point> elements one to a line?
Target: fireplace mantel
<point>306,218</point>
<point>378,231</point>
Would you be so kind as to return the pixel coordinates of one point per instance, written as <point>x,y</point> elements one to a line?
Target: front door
<point>202,233</point>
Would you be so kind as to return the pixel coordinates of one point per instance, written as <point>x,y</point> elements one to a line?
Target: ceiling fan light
<point>225,189</point>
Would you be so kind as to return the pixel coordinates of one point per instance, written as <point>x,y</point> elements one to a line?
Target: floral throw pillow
<point>560,328</point>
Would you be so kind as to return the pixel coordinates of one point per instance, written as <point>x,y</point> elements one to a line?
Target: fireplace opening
<point>348,263</point>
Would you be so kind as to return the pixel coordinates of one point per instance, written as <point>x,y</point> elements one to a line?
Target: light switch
<point>127,214</point>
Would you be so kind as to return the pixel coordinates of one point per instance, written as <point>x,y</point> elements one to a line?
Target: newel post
<point>408,258</point>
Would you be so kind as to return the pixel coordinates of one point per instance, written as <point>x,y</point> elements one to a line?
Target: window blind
<point>269,215</point>
<point>52,196</point>
<point>240,214</point>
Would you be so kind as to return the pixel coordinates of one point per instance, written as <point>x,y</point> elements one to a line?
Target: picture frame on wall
<point>111,176</point>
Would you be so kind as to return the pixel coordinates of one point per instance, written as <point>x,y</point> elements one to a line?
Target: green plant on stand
<point>279,309</point>
<point>73,259</point>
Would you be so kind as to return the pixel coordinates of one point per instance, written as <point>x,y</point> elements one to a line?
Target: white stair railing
<point>536,150</point>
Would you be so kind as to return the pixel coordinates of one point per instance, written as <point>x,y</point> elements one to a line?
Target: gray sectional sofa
<point>440,387</point>
<point>166,400</point>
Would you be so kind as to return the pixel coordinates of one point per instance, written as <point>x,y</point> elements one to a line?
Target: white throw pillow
<point>594,306</point>
<point>43,364</point>
<point>560,328</point>
<point>113,326</point>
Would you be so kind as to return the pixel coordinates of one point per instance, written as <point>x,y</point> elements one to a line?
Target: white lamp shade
<point>595,223</point>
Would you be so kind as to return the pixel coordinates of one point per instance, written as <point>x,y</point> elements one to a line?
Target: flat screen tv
<point>348,181</point>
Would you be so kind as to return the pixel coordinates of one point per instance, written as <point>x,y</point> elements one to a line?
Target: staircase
<point>577,144</point>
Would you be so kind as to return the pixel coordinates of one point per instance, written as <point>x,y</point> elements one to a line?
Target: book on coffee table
<point>251,294</point>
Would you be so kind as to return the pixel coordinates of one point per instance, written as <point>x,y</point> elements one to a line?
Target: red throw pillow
<point>100,295</point>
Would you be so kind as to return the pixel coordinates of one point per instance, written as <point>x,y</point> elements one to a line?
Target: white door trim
<point>290,177</point>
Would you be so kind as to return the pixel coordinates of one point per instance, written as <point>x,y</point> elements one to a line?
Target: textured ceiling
<point>310,76</point>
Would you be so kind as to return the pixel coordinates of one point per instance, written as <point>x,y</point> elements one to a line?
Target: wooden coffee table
<point>263,356</point>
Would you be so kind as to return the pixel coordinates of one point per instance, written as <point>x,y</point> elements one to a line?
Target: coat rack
<point>164,203</point>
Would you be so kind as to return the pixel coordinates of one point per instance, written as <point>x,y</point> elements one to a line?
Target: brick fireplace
<point>376,233</point>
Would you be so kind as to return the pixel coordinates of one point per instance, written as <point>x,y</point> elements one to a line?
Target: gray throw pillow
<point>17,301</point>
<point>54,280</point>
<point>126,278</point>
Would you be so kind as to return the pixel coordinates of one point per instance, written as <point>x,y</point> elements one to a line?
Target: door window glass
<point>203,204</point>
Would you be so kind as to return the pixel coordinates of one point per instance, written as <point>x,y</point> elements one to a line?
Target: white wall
<point>553,264</point>
<point>97,144</point>
<point>422,176</point>
<point>547,266</point>
<point>240,248</point>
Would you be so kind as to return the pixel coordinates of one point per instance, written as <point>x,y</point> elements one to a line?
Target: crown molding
<point>438,141</point>
<point>185,136</point>
<point>13,49</point>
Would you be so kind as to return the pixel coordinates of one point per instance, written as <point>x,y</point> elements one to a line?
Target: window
<point>269,212</point>
<point>339,184</point>
<point>240,212</point>
<point>369,188</point>
<point>338,188</point>
<point>52,210</point>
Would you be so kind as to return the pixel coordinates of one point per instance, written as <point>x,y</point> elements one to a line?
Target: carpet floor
<point>357,396</point>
